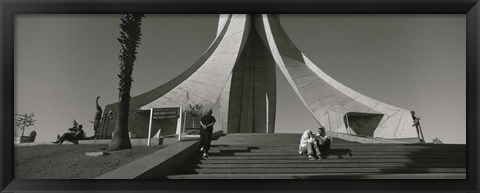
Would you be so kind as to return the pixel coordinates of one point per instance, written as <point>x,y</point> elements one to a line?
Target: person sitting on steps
<point>308,145</point>
<point>323,142</point>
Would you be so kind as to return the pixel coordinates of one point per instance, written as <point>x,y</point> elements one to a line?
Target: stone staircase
<point>275,156</point>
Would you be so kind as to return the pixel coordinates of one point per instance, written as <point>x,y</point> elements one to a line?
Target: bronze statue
<point>416,123</point>
<point>98,117</point>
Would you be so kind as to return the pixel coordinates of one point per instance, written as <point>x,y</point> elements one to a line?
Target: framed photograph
<point>249,96</point>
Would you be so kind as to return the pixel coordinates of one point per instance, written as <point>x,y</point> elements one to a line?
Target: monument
<point>238,71</point>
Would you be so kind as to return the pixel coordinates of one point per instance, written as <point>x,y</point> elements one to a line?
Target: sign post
<point>266,99</point>
<point>180,125</point>
<point>150,127</point>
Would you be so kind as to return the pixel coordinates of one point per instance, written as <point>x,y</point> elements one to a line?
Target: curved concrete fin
<point>202,83</point>
<point>327,99</point>
<point>205,85</point>
<point>222,22</point>
<point>153,94</point>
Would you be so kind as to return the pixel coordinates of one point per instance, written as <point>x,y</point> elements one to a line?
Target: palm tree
<point>129,41</point>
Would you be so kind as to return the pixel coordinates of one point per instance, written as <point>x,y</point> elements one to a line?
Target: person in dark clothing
<point>73,135</point>
<point>323,142</point>
<point>207,122</point>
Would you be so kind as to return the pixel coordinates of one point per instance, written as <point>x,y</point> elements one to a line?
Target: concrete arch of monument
<point>139,119</point>
<point>238,71</point>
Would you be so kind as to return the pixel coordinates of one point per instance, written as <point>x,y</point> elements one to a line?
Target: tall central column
<point>251,87</point>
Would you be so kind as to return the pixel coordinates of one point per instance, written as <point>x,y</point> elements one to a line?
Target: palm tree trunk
<point>120,138</point>
<point>129,40</point>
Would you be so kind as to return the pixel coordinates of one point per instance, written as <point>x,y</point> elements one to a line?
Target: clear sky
<point>416,62</point>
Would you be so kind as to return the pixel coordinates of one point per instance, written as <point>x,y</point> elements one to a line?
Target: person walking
<point>207,122</point>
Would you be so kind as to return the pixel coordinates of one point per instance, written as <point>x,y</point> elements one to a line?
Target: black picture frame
<point>8,9</point>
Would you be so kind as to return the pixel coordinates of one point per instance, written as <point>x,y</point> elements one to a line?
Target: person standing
<point>207,122</point>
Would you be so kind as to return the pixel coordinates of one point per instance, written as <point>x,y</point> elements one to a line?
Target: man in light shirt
<point>308,145</point>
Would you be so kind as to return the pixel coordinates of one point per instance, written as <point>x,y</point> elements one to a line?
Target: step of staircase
<point>296,170</point>
<point>335,153</point>
<point>295,157</point>
<point>275,156</point>
<point>365,147</point>
<point>322,176</point>
<point>304,160</point>
<point>333,165</point>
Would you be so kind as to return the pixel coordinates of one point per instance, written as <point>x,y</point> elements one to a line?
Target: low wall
<point>158,164</point>
<point>365,139</point>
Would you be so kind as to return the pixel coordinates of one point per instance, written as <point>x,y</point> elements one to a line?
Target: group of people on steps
<point>314,146</point>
